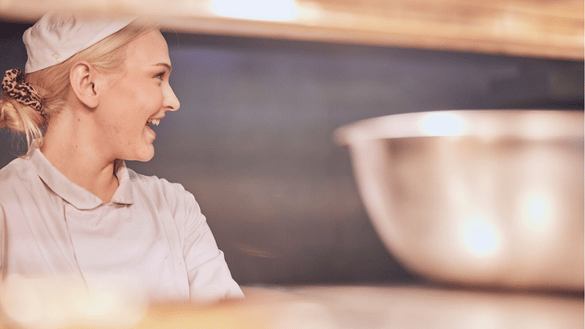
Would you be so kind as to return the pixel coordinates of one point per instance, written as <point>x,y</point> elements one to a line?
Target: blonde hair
<point>52,83</point>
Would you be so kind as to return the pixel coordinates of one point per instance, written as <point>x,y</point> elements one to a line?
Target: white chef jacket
<point>152,232</point>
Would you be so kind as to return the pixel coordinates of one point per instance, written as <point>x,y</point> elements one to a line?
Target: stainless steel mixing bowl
<point>483,197</point>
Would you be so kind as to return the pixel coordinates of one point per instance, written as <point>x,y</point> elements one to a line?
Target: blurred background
<point>253,138</point>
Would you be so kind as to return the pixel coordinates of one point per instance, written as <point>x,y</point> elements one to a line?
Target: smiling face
<point>136,97</point>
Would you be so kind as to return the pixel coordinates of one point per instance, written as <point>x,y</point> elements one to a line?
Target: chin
<point>145,159</point>
<point>144,156</point>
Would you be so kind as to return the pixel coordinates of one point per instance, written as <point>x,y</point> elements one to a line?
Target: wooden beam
<point>532,28</point>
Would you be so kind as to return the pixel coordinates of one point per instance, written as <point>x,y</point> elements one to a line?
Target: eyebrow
<point>168,66</point>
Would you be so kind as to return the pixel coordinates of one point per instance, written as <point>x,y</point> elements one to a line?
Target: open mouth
<point>153,122</point>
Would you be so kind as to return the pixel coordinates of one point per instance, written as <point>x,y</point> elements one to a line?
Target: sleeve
<point>209,277</point>
<point>2,243</point>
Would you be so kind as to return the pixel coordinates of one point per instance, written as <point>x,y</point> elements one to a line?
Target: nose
<point>171,102</point>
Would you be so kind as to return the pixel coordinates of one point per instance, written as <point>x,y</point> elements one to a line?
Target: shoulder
<point>19,173</point>
<point>174,194</point>
<point>155,183</point>
<point>20,185</point>
<point>15,169</point>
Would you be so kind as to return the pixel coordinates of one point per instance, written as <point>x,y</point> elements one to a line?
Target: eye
<point>160,75</point>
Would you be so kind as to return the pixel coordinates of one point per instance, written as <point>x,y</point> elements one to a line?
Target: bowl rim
<point>488,124</point>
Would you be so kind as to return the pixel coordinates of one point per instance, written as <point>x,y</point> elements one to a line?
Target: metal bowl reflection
<point>480,197</point>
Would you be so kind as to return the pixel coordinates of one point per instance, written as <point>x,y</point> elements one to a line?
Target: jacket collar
<point>76,195</point>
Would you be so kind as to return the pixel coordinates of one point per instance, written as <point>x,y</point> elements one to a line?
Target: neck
<point>68,146</point>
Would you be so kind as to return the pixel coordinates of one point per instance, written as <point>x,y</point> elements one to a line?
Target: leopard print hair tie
<point>13,85</point>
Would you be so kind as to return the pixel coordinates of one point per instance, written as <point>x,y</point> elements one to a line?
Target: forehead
<point>148,49</point>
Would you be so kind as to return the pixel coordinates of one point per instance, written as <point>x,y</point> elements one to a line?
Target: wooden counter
<point>377,307</point>
<point>323,307</point>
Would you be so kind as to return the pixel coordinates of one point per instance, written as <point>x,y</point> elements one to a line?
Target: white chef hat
<point>55,38</point>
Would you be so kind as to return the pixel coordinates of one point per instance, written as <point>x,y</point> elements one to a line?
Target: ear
<point>84,79</point>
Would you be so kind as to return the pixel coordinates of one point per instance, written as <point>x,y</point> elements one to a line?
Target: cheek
<point>133,104</point>
<point>148,95</point>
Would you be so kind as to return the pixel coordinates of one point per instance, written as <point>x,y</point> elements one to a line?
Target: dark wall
<point>253,139</point>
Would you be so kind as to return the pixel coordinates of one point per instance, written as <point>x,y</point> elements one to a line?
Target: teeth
<point>154,122</point>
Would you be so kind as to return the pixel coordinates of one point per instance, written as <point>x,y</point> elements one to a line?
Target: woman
<point>70,205</point>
